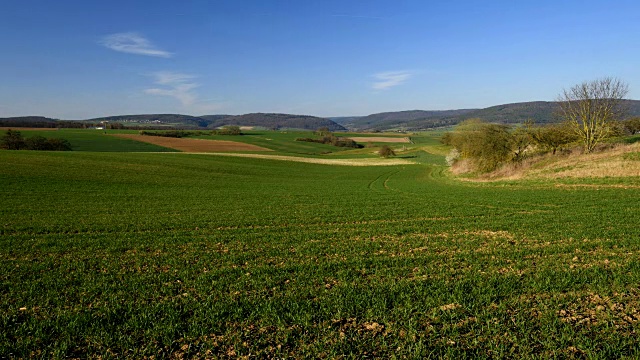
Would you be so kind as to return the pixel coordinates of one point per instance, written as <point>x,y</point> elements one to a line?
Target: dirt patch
<point>27,128</point>
<point>381,139</point>
<point>194,145</point>
<point>618,309</point>
<point>342,162</point>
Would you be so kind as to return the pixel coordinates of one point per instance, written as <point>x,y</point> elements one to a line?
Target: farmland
<point>138,254</point>
<point>194,145</point>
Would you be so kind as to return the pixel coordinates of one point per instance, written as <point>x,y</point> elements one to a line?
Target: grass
<point>114,255</point>
<point>96,140</point>
<point>282,142</point>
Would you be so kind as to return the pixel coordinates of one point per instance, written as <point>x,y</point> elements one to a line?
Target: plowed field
<point>194,145</point>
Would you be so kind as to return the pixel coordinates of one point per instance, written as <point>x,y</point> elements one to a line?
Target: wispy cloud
<point>181,87</point>
<point>389,79</point>
<point>176,85</point>
<point>133,43</point>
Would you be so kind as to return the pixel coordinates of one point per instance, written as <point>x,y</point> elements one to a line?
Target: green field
<point>96,140</point>
<point>132,254</point>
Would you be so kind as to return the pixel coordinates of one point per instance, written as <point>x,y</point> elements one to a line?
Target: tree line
<point>227,130</point>
<point>13,140</point>
<point>327,137</point>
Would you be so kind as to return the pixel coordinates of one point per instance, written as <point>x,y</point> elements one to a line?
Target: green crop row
<point>156,255</point>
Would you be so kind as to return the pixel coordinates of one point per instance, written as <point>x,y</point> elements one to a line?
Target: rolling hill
<point>269,121</point>
<point>175,120</point>
<point>30,121</point>
<point>539,111</point>
<point>400,119</point>
<point>274,121</point>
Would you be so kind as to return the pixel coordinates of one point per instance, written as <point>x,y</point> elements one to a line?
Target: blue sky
<point>74,59</point>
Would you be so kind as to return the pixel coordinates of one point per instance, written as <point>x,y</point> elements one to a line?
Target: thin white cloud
<point>181,87</point>
<point>169,77</point>
<point>133,43</point>
<point>389,79</point>
<point>176,85</point>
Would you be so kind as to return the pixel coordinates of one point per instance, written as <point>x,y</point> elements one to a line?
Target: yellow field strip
<point>341,162</point>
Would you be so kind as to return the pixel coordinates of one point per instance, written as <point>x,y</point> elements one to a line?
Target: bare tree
<point>592,108</point>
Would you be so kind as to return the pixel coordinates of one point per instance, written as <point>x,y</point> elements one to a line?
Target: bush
<point>323,131</point>
<point>333,140</point>
<point>13,140</point>
<point>37,143</point>
<point>170,133</point>
<point>632,126</point>
<point>452,157</point>
<point>56,144</point>
<point>385,151</point>
<point>554,137</point>
<point>228,130</point>
<point>486,145</point>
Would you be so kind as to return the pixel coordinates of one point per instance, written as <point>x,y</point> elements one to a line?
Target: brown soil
<point>381,139</point>
<point>194,145</point>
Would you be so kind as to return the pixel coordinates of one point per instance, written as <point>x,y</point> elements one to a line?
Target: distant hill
<point>541,112</point>
<point>175,120</point>
<point>270,121</point>
<point>538,111</point>
<point>275,121</point>
<point>212,118</point>
<point>30,121</point>
<point>404,119</point>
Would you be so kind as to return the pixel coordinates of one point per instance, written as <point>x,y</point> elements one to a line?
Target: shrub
<point>170,133</point>
<point>554,137</point>
<point>56,144</point>
<point>385,151</point>
<point>486,145</point>
<point>37,143</point>
<point>632,126</point>
<point>333,140</point>
<point>228,130</point>
<point>452,157</point>
<point>13,140</point>
<point>323,131</point>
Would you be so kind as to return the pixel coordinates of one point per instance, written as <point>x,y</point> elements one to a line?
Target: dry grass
<point>611,162</point>
<point>342,162</point>
<point>194,145</point>
<point>381,139</point>
<point>463,166</point>
<point>608,163</point>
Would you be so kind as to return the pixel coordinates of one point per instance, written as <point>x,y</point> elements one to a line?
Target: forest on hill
<point>540,112</point>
